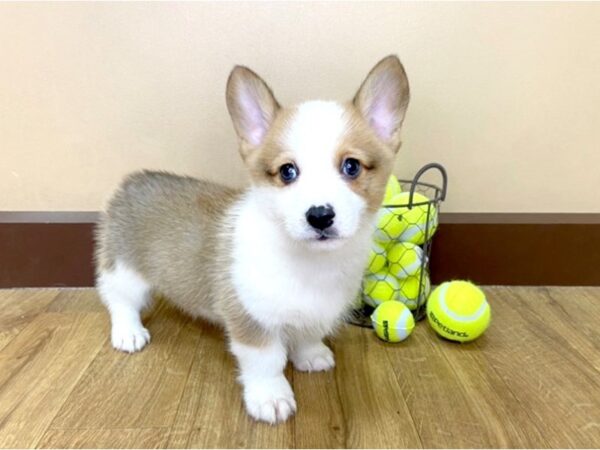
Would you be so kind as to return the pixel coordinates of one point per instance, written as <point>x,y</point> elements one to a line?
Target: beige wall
<point>507,96</point>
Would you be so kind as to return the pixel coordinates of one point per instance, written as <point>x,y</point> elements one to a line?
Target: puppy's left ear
<point>382,99</point>
<point>252,107</point>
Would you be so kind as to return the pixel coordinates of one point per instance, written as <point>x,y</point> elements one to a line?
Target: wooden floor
<point>533,380</point>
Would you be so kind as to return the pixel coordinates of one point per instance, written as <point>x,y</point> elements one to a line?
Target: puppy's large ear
<point>383,98</point>
<point>252,107</point>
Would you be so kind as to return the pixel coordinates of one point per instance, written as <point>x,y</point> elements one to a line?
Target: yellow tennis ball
<point>379,287</point>
<point>392,321</point>
<point>392,188</point>
<point>414,224</point>
<point>377,258</point>
<point>459,311</point>
<point>389,225</point>
<point>405,259</point>
<point>409,292</point>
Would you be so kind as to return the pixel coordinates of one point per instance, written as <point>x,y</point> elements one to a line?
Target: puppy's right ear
<point>252,107</point>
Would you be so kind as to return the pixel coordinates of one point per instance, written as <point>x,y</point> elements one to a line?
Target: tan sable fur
<point>263,162</point>
<point>143,227</point>
<point>375,157</point>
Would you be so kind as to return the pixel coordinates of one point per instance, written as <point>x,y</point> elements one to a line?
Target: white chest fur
<point>281,283</point>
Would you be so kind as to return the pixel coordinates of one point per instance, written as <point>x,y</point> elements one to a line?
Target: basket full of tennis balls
<point>398,265</point>
<point>396,288</point>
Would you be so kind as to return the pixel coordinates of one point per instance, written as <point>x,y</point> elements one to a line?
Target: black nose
<point>320,217</point>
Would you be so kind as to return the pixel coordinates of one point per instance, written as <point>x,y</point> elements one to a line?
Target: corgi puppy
<point>277,265</point>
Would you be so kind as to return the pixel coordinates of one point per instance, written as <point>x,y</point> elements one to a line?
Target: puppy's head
<point>320,167</point>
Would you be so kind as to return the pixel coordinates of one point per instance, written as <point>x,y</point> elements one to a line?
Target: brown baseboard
<point>55,249</point>
<point>556,254</point>
<point>46,254</point>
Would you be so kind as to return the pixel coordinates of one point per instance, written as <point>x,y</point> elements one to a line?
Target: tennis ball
<point>409,292</point>
<point>458,310</point>
<point>413,222</point>
<point>405,259</point>
<point>377,258</point>
<point>392,321</point>
<point>389,225</point>
<point>379,287</point>
<point>392,188</point>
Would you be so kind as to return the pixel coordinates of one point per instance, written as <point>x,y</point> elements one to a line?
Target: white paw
<point>270,400</point>
<point>313,359</point>
<point>129,337</point>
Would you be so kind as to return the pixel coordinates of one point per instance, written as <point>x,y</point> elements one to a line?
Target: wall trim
<point>49,216</point>
<point>445,217</point>
<point>40,249</point>
<point>524,218</point>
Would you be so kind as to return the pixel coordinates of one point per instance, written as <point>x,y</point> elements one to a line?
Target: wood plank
<point>567,309</point>
<point>93,438</point>
<point>560,389</point>
<point>77,300</point>
<point>211,413</point>
<point>320,422</point>
<point>564,314</point>
<point>374,408</point>
<point>504,420</point>
<point>38,370</point>
<point>591,296</point>
<point>143,389</point>
<point>19,307</point>
<point>444,411</point>
<point>530,381</point>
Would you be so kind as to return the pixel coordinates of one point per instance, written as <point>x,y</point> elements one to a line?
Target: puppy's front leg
<point>267,394</point>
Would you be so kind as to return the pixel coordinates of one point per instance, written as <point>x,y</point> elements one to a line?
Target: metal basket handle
<point>421,171</point>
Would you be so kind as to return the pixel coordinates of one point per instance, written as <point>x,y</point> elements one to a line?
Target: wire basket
<point>402,241</point>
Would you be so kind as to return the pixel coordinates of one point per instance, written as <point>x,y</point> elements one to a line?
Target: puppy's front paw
<point>270,400</point>
<point>129,337</point>
<point>315,358</point>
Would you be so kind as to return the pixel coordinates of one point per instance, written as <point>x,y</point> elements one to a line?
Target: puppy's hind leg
<point>125,293</point>
<point>308,353</point>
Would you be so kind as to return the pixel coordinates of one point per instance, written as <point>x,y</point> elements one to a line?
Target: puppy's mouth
<point>327,235</point>
<point>325,240</point>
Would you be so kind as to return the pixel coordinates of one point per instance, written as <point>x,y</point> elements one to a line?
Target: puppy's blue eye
<point>288,173</point>
<point>351,167</point>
